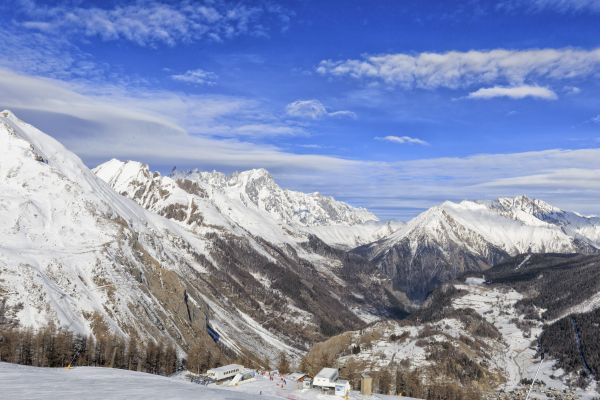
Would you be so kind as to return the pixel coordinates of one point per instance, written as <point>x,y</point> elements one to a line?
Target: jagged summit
<point>523,203</point>
<point>255,189</point>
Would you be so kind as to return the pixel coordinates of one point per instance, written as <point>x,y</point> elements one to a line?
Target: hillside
<point>474,340</point>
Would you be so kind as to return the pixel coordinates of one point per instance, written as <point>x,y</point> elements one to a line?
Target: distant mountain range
<point>452,238</point>
<point>163,257</point>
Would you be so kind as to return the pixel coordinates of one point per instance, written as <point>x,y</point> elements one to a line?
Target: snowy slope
<point>62,230</point>
<point>30,383</point>
<point>350,236</point>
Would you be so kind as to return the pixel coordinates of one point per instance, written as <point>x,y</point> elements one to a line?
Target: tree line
<point>55,347</point>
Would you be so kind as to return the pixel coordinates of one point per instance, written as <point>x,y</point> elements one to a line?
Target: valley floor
<point>20,382</point>
<point>517,357</point>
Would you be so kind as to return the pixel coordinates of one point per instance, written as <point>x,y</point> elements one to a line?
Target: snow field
<point>19,382</point>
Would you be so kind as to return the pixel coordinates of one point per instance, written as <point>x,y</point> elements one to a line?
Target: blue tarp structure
<point>212,333</point>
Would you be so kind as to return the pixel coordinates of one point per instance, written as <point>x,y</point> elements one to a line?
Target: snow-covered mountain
<point>573,224</point>
<point>158,257</point>
<point>248,201</point>
<point>256,188</point>
<point>451,238</point>
<point>75,252</point>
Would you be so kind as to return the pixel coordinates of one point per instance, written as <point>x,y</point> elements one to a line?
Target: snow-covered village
<point>300,199</point>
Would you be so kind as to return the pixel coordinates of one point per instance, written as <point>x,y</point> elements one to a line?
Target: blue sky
<point>390,105</point>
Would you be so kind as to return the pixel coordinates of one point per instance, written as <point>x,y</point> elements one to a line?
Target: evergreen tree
<point>283,364</point>
<point>385,381</point>
<point>266,363</point>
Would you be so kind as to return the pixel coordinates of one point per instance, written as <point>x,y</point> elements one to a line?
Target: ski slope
<point>18,382</point>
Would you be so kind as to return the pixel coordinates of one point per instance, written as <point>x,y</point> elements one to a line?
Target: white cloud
<point>457,69</point>
<point>313,109</point>
<point>261,130</point>
<point>148,23</point>
<point>113,110</point>
<point>563,6</point>
<point>343,113</point>
<point>514,92</point>
<point>197,77</point>
<point>566,179</point>
<point>402,140</point>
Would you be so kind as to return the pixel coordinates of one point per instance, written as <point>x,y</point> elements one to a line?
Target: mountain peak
<point>256,172</point>
<point>526,204</point>
<point>8,114</point>
<point>254,175</point>
<point>115,170</point>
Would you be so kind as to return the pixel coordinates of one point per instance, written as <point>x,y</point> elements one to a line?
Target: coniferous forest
<point>53,347</point>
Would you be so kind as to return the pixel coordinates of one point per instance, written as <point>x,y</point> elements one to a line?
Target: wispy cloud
<point>562,6</point>
<point>456,69</point>
<point>402,140</point>
<point>568,89</point>
<point>568,178</point>
<point>263,130</point>
<point>197,77</point>
<point>148,23</point>
<point>595,119</point>
<point>314,109</point>
<point>36,53</point>
<point>514,92</point>
<point>129,111</point>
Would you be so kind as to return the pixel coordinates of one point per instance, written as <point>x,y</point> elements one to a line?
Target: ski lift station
<point>224,372</point>
<point>326,378</point>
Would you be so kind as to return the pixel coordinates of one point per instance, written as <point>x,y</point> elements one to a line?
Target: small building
<point>307,383</point>
<point>244,376</point>
<point>326,378</point>
<point>366,385</point>
<point>297,377</point>
<point>224,372</point>
<point>342,387</point>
